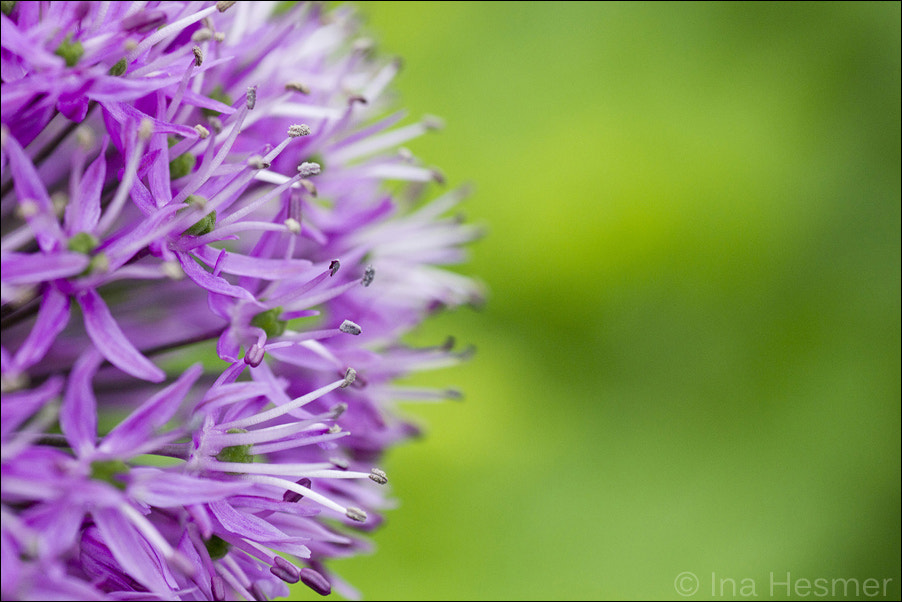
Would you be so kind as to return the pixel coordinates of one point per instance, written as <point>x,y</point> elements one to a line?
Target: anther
<point>257,162</point>
<point>145,129</point>
<point>172,270</point>
<point>349,327</point>
<point>198,56</point>
<point>251,97</point>
<point>254,356</point>
<point>309,186</point>
<point>202,132</point>
<point>299,130</point>
<point>339,463</point>
<point>307,169</point>
<point>350,377</point>
<point>202,35</point>
<point>356,514</point>
<point>293,496</point>
<point>284,570</point>
<point>377,475</point>
<point>334,428</point>
<point>297,87</point>
<point>217,587</point>
<point>338,409</point>
<point>219,36</point>
<point>431,122</point>
<point>293,225</point>
<point>356,98</point>
<point>334,265</point>
<point>368,274</point>
<point>316,581</point>
<point>223,6</point>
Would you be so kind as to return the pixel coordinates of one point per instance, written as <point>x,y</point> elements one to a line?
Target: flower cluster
<point>184,177</point>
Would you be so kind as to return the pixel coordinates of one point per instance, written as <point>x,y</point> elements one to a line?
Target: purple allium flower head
<point>182,176</point>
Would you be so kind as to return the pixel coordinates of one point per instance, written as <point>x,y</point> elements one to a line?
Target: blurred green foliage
<point>690,357</point>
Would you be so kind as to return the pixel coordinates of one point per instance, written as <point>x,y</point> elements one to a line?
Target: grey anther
<point>202,132</point>
<point>368,274</point>
<point>350,377</point>
<point>308,168</point>
<point>349,327</point>
<point>251,97</point>
<point>198,56</point>
<point>223,5</point>
<point>297,87</point>
<point>257,162</point>
<point>203,34</point>
<point>299,130</point>
<point>334,265</point>
<point>355,514</point>
<point>377,475</point>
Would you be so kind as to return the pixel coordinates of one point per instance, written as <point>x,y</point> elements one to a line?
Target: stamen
<point>203,34</point>
<point>334,265</point>
<point>378,475</point>
<point>316,581</point>
<point>284,570</point>
<point>257,162</point>
<point>350,377</point>
<point>198,56</point>
<point>223,5</point>
<point>217,586</point>
<point>297,87</point>
<point>254,356</point>
<point>288,407</point>
<point>202,132</point>
<point>251,97</point>
<point>349,327</point>
<point>368,274</point>
<point>356,514</point>
<point>338,409</point>
<point>307,169</point>
<point>293,225</point>
<point>299,130</point>
<point>294,496</point>
<point>339,463</point>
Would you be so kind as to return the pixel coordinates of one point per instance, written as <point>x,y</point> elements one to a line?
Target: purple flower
<point>212,247</point>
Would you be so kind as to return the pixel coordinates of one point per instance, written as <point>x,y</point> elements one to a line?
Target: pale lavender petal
<point>21,268</point>
<point>110,340</point>
<point>52,319</point>
<point>78,414</point>
<point>150,417</point>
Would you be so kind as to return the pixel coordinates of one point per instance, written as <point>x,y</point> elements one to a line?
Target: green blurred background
<point>690,357</point>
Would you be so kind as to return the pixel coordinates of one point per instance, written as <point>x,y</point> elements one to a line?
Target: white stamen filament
<point>125,186</point>
<point>170,29</point>
<point>283,409</point>
<point>306,492</point>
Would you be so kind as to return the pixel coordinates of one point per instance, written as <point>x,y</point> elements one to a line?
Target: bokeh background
<point>689,361</point>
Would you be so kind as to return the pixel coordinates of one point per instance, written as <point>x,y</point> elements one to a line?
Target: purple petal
<point>52,319</point>
<point>110,340</point>
<point>133,553</point>
<point>214,284</point>
<point>22,268</point>
<point>78,415</point>
<point>83,211</point>
<point>144,422</point>
<point>19,406</point>
<point>168,489</point>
